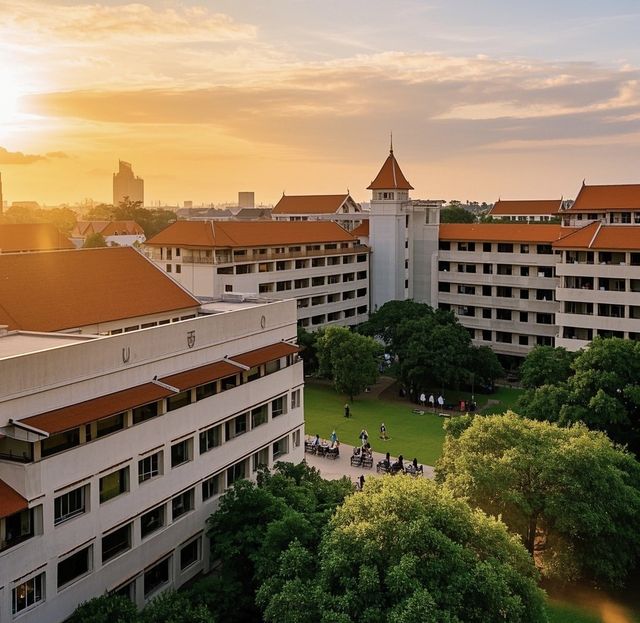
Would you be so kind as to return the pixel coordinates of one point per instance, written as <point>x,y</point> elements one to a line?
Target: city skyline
<point>206,99</point>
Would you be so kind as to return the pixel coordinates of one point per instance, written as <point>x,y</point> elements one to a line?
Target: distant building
<point>339,208</point>
<point>538,210</point>
<point>115,233</point>
<point>320,264</point>
<point>1,196</point>
<point>246,199</point>
<point>26,237</point>
<point>126,184</point>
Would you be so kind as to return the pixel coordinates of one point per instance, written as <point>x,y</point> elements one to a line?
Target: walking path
<point>332,469</point>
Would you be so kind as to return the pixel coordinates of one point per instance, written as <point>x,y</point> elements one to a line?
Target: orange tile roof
<point>200,376</point>
<point>607,197</point>
<point>603,237</point>
<point>264,355</point>
<point>55,290</point>
<point>248,233</point>
<point>95,409</point>
<point>390,176</point>
<point>107,228</point>
<point>362,229</point>
<point>11,501</point>
<point>32,237</point>
<point>534,207</point>
<point>309,204</point>
<point>502,232</point>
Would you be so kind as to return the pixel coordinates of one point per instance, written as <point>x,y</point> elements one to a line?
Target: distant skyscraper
<point>246,200</point>
<point>126,184</point>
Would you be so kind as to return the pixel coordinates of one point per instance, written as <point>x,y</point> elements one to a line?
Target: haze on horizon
<point>207,98</point>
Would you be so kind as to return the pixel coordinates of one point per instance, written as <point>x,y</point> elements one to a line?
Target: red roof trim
<point>11,502</point>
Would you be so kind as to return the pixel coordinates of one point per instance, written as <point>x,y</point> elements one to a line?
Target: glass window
<point>114,484</point>
<point>27,594</point>
<point>60,442</point>
<point>145,412</point>
<point>156,576</point>
<point>151,521</point>
<point>259,416</point>
<point>212,486</point>
<point>18,528</point>
<point>236,427</point>
<point>295,399</point>
<point>236,472</point>
<point>181,452</point>
<point>280,447</point>
<point>182,504</point>
<point>189,554</point>
<point>74,566</point>
<point>116,542</point>
<point>210,438</point>
<point>278,406</point>
<point>110,425</point>
<point>150,467</point>
<point>70,504</point>
<point>205,391</point>
<point>178,400</point>
<point>260,458</point>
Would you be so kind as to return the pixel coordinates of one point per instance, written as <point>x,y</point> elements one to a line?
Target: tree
<point>546,365</point>
<point>105,609</point>
<point>405,550</point>
<point>308,342</point>
<point>174,607</point>
<point>455,213</point>
<point>93,241</point>
<point>254,525</point>
<point>349,359</point>
<point>603,392</point>
<point>571,495</point>
<point>485,365</point>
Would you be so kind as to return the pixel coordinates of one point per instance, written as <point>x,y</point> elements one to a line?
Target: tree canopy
<point>349,359</point>
<point>571,495</point>
<point>603,392</point>
<point>455,213</point>
<point>402,551</point>
<point>95,240</point>
<point>545,365</point>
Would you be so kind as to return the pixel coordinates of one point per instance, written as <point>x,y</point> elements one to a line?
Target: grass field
<point>563,613</point>
<point>411,435</point>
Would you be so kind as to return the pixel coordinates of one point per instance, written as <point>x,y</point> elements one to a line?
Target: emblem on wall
<point>191,338</point>
<point>126,354</point>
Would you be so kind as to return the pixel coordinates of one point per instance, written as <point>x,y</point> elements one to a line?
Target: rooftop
<point>503,232</point>
<point>107,228</point>
<point>535,207</point>
<point>234,234</point>
<point>602,237</point>
<point>309,204</point>
<point>390,176</point>
<point>57,290</point>
<point>16,343</point>
<point>31,237</point>
<point>607,197</point>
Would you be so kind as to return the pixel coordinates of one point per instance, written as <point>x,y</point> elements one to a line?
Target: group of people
<point>399,467</point>
<point>333,439</point>
<point>432,400</point>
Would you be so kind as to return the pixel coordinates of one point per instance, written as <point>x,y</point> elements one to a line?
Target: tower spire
<point>391,142</point>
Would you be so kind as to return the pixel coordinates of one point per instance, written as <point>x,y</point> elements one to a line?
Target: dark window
<point>523,340</point>
<point>278,406</point>
<point>149,467</point>
<point>505,338</point>
<point>503,314</point>
<point>189,554</point>
<point>444,245</point>
<point>524,317</point>
<point>110,424</point>
<point>156,576</point>
<point>151,521</point>
<point>116,542</point>
<point>178,400</point>
<point>145,412</point>
<point>212,486</point>
<point>114,484</point>
<point>259,416</point>
<point>486,247</point>
<point>487,269</point>
<point>236,472</point>
<point>524,294</point>
<point>210,438</point>
<point>524,271</point>
<point>182,504</point>
<point>69,505</point>
<point>505,247</point>
<point>229,382</point>
<point>74,566</point>
<point>486,312</point>
<point>205,391</point>
<point>60,442</point>
<point>444,286</point>
<point>18,528</point>
<point>486,290</point>
<point>544,249</point>
<point>236,427</point>
<point>181,452</point>
<point>486,335</point>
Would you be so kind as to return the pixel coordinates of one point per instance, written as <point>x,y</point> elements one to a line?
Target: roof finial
<point>584,179</point>
<point>391,143</point>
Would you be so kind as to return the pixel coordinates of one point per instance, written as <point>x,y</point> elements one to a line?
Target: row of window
<point>148,325</point>
<point>336,297</point>
<point>580,333</point>
<point>333,316</point>
<point>607,310</point>
<point>470,311</point>
<point>504,337</point>
<point>499,247</point>
<point>499,269</point>
<point>298,284</point>
<point>602,257</point>
<point>540,294</point>
<point>607,284</point>
<point>282,265</point>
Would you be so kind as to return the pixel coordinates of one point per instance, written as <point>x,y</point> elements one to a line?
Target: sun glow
<point>10,93</point>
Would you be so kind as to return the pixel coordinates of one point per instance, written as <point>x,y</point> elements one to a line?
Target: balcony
<point>271,254</point>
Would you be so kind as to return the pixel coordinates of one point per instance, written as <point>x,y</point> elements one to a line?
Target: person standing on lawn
<point>347,411</point>
<point>423,399</point>
<point>383,431</point>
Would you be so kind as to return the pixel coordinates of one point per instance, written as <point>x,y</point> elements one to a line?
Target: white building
<point>114,450</point>
<point>115,233</point>
<point>341,209</point>
<point>528,211</point>
<point>318,263</point>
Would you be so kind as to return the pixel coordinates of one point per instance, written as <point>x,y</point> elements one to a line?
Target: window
<point>210,438</point>
<point>27,594</point>
<point>260,458</point>
<point>145,412</point>
<point>110,425</point>
<point>151,521</point>
<point>317,281</point>
<point>544,318</point>
<point>486,335</point>
<point>212,486</point>
<point>236,426</point>
<point>504,269</point>
<point>524,248</point>
<point>150,467</point>
<point>505,247</point>
<point>524,271</point>
<point>444,286</point>
<point>295,437</point>
<point>486,247</point>
<point>190,554</point>
<point>295,399</point>
<point>523,340</point>
<point>487,269</point>
<point>116,542</point>
<point>280,447</point>
<point>236,472</point>
<point>205,391</point>
<point>301,283</point>
<point>486,312</point>
<point>178,400</point>
<point>228,287</point>
<point>524,316</point>
<point>466,246</point>
<point>278,406</point>
<point>74,566</point>
<point>444,245</point>
<point>504,292</point>
<point>486,290</point>
<point>444,266</point>
<point>503,337</point>
<point>178,268</point>
<point>181,452</point>
<point>503,314</point>
<point>60,442</point>
<point>524,294</point>
<point>259,416</point>
<point>168,268</point>
<point>229,382</point>
<point>544,249</point>
<point>114,484</point>
<point>70,504</point>
<point>156,576</point>
<point>182,504</point>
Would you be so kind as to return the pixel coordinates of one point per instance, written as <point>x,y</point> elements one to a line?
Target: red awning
<point>264,355</point>
<point>200,376</point>
<point>11,501</point>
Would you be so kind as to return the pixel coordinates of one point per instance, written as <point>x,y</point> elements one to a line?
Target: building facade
<point>341,209</point>
<point>115,450</point>
<point>126,184</point>
<point>528,211</point>
<point>320,264</point>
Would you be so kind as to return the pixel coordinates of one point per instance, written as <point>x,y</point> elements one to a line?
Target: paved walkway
<point>332,469</point>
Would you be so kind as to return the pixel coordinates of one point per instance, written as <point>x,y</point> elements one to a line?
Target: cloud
<point>137,22</point>
<point>57,154</point>
<point>17,157</point>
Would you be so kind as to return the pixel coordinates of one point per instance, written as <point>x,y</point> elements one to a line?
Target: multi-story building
<point>500,280</point>
<point>126,184</point>
<point>531,211</point>
<point>91,291</point>
<point>341,209</point>
<point>318,263</point>
<point>114,450</point>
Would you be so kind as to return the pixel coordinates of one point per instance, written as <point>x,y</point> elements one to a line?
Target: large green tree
<point>455,213</point>
<point>603,392</point>
<point>349,359</point>
<point>405,551</point>
<point>94,241</point>
<point>571,495</point>
<point>546,365</point>
<point>254,525</point>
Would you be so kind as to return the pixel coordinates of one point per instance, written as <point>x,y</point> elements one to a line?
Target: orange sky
<point>209,98</point>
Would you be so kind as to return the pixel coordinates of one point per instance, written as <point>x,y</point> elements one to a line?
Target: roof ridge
<point>595,235</point>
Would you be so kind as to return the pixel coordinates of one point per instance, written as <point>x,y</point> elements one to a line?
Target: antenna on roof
<point>348,192</point>
<point>583,181</point>
<point>283,193</point>
<point>391,142</point>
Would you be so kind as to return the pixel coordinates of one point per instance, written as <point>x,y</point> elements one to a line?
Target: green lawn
<point>562,613</point>
<point>508,396</point>
<point>411,435</point>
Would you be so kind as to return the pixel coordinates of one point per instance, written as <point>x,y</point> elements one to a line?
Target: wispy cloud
<point>17,157</point>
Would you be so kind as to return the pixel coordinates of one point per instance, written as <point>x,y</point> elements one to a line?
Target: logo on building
<point>191,338</point>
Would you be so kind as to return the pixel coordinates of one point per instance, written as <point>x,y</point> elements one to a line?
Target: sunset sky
<point>485,99</point>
